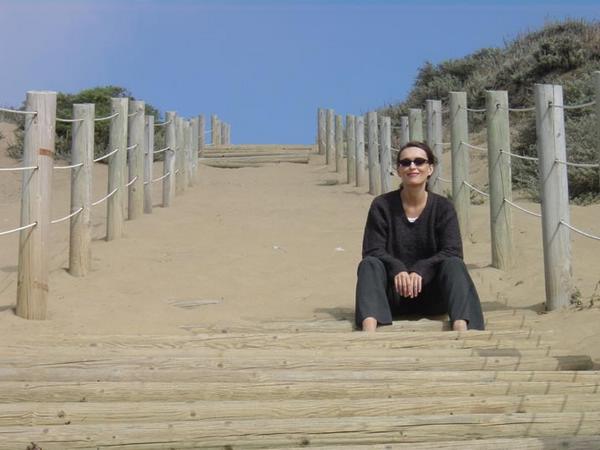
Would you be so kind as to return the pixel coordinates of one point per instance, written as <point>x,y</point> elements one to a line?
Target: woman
<point>412,253</point>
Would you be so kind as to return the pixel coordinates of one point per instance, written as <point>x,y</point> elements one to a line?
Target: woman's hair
<point>423,146</point>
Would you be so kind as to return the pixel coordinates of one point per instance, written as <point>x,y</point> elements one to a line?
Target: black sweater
<point>411,247</point>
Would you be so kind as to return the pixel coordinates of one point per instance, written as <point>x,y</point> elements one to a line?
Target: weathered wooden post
<point>330,142</point>
<point>404,131</point>
<point>180,157</point>
<point>215,130</point>
<point>224,126</point>
<point>415,124</point>
<point>201,134</point>
<point>38,151</point>
<point>136,159</point>
<point>351,147</point>
<point>82,152</point>
<point>373,151</point>
<point>339,143</point>
<point>321,130</point>
<point>596,81</point>
<point>117,169</point>
<point>195,132</point>
<point>554,190</point>
<point>498,134</point>
<point>459,132</point>
<point>148,163</point>
<point>385,144</point>
<point>170,158</point>
<point>361,176</point>
<point>433,110</point>
<point>188,152</point>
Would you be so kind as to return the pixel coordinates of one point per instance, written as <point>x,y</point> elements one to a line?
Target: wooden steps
<point>233,156</point>
<point>295,384</point>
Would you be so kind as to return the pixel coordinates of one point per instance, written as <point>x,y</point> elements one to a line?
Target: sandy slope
<point>281,241</point>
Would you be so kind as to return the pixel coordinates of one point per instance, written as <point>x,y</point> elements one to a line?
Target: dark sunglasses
<point>407,162</point>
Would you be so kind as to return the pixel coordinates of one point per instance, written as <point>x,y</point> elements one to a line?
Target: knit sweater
<point>412,247</point>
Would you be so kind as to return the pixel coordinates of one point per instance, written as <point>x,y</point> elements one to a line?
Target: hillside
<point>565,53</point>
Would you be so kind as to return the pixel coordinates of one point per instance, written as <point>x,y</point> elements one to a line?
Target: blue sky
<point>263,66</point>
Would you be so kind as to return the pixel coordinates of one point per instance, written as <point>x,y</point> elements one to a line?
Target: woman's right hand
<point>408,284</point>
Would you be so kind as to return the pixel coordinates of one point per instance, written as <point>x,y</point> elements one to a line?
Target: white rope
<point>107,155</point>
<point>485,194</point>
<point>581,105</point>
<point>131,147</point>
<point>18,169</point>
<point>160,124</point>
<point>131,182</point>
<point>474,146</point>
<point>444,180</point>
<point>69,120</point>
<point>74,166</point>
<point>67,217</point>
<point>444,143</point>
<point>532,108</point>
<point>2,233</point>
<point>514,155</point>
<point>572,164</point>
<point>133,114</point>
<point>482,110</point>
<point>112,116</point>
<point>161,178</point>
<point>15,111</point>
<point>177,171</point>
<point>162,150</point>
<point>107,196</point>
<point>576,230</point>
<point>522,209</point>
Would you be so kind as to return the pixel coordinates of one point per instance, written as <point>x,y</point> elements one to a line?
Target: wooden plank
<point>273,154</point>
<point>263,433</point>
<point>81,413</point>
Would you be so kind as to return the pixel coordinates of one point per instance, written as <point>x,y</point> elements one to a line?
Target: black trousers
<point>451,292</point>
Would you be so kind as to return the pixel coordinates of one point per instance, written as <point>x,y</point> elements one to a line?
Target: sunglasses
<point>417,161</point>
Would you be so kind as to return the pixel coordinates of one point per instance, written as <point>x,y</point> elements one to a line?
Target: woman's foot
<point>459,325</point>
<point>369,324</point>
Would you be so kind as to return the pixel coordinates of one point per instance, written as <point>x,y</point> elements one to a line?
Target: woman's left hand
<point>415,284</point>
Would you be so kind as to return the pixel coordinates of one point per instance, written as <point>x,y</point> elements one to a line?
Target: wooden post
<point>373,152</point>
<point>224,126</point>
<point>170,155</point>
<point>201,134</point>
<point>459,132</point>
<point>361,176</point>
<point>499,173</point>
<point>82,152</point>
<point>195,139</point>
<point>415,124</point>
<point>434,140</point>
<point>385,141</point>
<point>136,159</point>
<point>404,131</point>
<point>117,169</point>
<point>180,157</point>
<point>217,132</point>
<point>339,143</point>
<point>189,162</point>
<point>351,147</point>
<point>551,146</point>
<point>36,187</point>
<point>148,163</point>
<point>213,129</point>
<point>321,130</point>
<point>596,81</point>
<point>330,143</point>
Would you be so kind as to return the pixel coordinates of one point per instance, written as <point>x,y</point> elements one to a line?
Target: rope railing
<point>62,219</point>
<point>131,147</point>
<point>18,169</point>
<point>514,155</point>
<point>161,124</point>
<point>577,230</point>
<point>474,147</point>
<point>100,119</point>
<point>161,150</point>
<point>579,106</point>
<point>14,230</point>
<point>72,166</point>
<point>16,111</point>
<point>96,203</point>
<point>526,109</point>
<point>474,110</point>
<point>473,188</point>
<point>133,114</point>
<point>574,164</point>
<point>514,205</point>
<point>162,177</point>
<point>100,158</point>
<point>132,181</point>
<point>58,119</point>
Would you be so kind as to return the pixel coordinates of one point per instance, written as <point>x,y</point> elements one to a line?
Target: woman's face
<point>413,167</point>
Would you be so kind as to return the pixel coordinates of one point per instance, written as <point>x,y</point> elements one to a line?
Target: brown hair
<point>423,146</point>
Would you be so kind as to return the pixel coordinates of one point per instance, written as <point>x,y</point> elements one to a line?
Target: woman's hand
<point>408,284</point>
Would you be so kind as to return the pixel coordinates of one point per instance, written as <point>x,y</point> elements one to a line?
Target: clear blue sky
<point>263,66</point>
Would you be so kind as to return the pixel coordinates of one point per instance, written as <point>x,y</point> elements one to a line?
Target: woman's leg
<point>372,306</point>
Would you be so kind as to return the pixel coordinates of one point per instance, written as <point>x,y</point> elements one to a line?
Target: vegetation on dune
<point>564,53</point>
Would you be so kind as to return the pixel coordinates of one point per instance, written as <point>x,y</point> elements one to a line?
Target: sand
<point>251,244</point>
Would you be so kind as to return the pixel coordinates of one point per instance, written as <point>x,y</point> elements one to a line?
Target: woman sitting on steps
<point>412,253</point>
